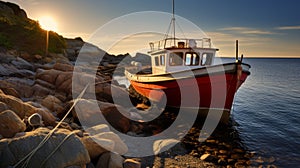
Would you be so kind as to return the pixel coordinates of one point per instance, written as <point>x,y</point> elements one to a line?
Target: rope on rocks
<point>58,146</point>
<point>28,157</point>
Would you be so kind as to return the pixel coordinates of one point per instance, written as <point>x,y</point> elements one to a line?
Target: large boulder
<point>62,149</point>
<point>10,124</point>
<point>23,109</point>
<point>111,160</point>
<point>89,112</point>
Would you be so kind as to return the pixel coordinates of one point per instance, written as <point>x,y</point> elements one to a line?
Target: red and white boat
<point>184,75</point>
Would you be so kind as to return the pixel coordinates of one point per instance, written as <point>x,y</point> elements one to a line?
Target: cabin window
<point>156,59</point>
<point>192,59</point>
<point>206,58</point>
<point>176,58</point>
<point>162,60</point>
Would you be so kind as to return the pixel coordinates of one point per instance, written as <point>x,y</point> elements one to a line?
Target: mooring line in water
<point>28,157</point>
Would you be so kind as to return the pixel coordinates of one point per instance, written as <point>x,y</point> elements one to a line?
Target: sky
<point>264,28</point>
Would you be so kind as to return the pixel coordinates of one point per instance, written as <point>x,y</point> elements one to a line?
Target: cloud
<point>288,28</point>
<point>247,30</point>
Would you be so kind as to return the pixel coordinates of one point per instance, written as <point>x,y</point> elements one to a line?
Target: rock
<point>114,114</point>
<point>207,157</point>
<point>119,146</point>
<point>23,109</point>
<point>75,126</point>
<point>130,163</point>
<point>3,107</point>
<point>70,153</point>
<point>10,124</point>
<point>97,129</point>
<point>22,64</point>
<point>53,104</point>
<point>160,146</point>
<point>63,67</point>
<point>111,160</point>
<point>22,86</point>
<point>98,146</point>
<point>40,91</point>
<point>222,162</point>
<point>79,133</point>
<point>12,92</point>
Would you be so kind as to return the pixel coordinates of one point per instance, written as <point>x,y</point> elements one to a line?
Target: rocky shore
<point>36,94</point>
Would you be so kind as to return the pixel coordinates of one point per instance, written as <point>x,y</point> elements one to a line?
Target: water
<point>267,110</point>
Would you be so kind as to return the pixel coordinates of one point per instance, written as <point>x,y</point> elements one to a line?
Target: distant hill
<point>19,32</point>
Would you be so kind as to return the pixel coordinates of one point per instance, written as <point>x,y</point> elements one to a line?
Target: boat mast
<point>173,21</point>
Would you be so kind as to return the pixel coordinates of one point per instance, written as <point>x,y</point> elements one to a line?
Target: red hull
<point>214,91</point>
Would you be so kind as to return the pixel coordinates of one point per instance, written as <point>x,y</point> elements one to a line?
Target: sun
<point>48,23</point>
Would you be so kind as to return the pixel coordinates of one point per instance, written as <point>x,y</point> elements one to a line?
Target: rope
<point>28,157</point>
<point>58,146</point>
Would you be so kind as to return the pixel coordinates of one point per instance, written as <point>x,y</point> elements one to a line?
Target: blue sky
<point>264,28</point>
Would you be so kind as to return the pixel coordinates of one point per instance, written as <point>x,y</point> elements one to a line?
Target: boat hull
<point>207,89</point>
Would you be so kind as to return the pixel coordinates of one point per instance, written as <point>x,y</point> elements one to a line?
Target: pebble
<point>78,133</point>
<point>75,126</point>
<point>222,162</point>
<point>130,163</point>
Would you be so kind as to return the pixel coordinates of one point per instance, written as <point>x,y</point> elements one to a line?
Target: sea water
<point>267,110</point>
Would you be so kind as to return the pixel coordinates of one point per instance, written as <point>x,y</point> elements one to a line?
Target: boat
<point>184,74</point>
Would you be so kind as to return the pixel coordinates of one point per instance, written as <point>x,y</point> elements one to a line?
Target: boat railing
<point>180,43</point>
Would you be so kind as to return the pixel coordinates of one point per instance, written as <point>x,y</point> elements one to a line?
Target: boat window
<point>162,60</point>
<point>206,58</point>
<point>176,58</point>
<point>192,58</point>
<point>156,61</point>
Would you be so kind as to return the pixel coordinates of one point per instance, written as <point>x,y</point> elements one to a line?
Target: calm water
<point>267,110</point>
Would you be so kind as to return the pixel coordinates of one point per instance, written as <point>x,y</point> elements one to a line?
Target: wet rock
<point>10,124</point>
<point>130,163</point>
<point>111,160</point>
<point>259,160</point>
<point>69,153</point>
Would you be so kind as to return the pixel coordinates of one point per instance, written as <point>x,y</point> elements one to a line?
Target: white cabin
<point>173,55</point>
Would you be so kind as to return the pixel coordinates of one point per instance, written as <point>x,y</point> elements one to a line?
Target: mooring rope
<point>28,157</point>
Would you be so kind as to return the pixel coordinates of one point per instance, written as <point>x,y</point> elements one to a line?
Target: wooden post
<point>236,50</point>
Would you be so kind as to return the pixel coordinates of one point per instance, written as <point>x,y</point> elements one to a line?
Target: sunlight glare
<point>48,23</point>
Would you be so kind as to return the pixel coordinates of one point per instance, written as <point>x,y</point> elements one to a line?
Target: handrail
<point>180,43</point>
